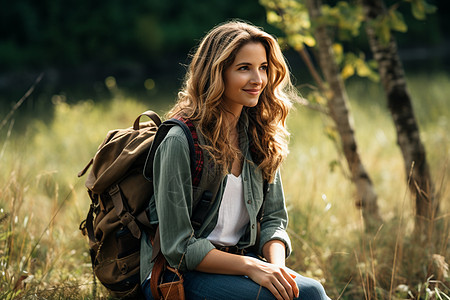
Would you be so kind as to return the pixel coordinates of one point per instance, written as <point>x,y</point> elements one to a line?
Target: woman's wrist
<point>249,265</point>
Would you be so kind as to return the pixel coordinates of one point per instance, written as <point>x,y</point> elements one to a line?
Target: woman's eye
<point>243,68</point>
<point>264,68</point>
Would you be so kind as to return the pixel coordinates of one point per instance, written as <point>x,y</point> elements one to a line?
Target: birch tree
<point>333,90</point>
<point>384,48</point>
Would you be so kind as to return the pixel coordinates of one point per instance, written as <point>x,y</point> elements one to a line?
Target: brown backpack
<point>120,195</point>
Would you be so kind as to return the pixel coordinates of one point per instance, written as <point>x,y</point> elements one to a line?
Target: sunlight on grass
<point>42,201</point>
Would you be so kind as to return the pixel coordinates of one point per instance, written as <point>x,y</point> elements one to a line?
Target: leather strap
<point>155,279</point>
<point>82,172</point>
<point>126,218</point>
<point>87,225</point>
<point>143,219</point>
<point>151,114</point>
<point>156,245</point>
<point>231,249</point>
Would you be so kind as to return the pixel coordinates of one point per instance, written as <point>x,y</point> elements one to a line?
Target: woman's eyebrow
<point>249,64</point>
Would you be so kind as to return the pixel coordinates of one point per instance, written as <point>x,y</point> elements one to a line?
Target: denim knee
<point>310,289</point>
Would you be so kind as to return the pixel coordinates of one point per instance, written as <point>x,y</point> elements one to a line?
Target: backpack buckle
<point>126,218</point>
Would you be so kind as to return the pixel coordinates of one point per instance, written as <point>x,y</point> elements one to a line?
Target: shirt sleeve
<point>275,217</point>
<point>173,199</point>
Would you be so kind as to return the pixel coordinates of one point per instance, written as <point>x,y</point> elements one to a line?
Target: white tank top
<point>233,215</point>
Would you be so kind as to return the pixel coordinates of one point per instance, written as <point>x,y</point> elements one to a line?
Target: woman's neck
<point>231,120</point>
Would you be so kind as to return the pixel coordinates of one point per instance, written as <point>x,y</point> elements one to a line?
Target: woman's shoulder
<point>175,131</point>
<point>175,138</point>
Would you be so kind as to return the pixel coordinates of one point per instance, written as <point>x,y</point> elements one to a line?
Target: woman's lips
<point>252,91</point>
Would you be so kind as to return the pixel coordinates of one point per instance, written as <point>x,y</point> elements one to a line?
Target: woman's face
<point>245,78</point>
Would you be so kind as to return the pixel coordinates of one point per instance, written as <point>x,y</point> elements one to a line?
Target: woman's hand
<point>271,276</point>
<point>275,278</point>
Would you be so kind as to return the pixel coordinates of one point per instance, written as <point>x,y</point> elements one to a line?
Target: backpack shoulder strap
<point>195,154</point>
<point>159,137</point>
<point>196,151</point>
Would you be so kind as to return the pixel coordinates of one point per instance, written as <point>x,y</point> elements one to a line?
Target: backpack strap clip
<point>126,218</point>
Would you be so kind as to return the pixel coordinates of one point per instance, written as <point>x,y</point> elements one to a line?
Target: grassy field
<point>42,202</point>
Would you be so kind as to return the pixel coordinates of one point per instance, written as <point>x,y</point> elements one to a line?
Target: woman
<point>238,93</point>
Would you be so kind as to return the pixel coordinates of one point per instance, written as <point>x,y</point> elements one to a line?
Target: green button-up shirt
<point>171,206</point>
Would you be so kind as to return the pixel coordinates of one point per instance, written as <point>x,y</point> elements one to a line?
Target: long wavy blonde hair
<point>200,98</point>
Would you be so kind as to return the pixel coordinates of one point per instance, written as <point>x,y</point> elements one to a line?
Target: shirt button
<point>245,178</point>
<point>249,201</point>
<point>253,226</point>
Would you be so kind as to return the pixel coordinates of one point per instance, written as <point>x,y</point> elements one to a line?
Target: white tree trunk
<point>338,108</point>
<point>399,103</point>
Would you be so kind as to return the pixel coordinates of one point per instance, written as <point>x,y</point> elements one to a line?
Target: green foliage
<point>384,24</point>
<point>393,19</point>
<point>346,18</point>
<point>343,19</point>
<point>420,8</point>
<point>351,64</point>
<point>292,18</point>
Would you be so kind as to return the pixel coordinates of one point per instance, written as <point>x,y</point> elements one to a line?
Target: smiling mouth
<point>252,91</point>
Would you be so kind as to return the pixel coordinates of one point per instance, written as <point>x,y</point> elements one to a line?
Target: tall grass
<point>42,202</point>
<point>326,227</point>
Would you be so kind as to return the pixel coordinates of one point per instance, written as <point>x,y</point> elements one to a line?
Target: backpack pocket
<point>127,244</point>
<point>119,272</point>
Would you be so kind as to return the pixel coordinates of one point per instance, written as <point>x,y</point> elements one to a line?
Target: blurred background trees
<point>69,33</point>
<point>147,36</point>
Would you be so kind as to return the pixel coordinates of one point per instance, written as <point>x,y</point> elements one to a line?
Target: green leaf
<point>383,30</point>
<point>344,17</point>
<point>420,8</point>
<point>396,21</point>
<point>347,71</point>
<point>273,18</point>
<point>338,52</point>
<point>309,40</point>
<point>430,9</point>
<point>316,97</point>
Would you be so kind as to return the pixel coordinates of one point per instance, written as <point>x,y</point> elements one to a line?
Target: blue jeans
<point>200,285</point>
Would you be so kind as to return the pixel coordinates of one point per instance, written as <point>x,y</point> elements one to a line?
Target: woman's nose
<point>256,78</point>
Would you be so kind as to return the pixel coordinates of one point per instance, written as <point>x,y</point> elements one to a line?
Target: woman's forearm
<point>220,262</point>
<point>274,252</point>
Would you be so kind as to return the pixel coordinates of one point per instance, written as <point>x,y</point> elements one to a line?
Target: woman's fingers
<point>290,277</point>
<point>271,287</point>
<point>284,287</point>
<point>279,286</point>
<point>276,279</point>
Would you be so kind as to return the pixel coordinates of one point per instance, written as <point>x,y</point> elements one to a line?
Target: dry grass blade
<point>21,101</point>
<point>396,249</point>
